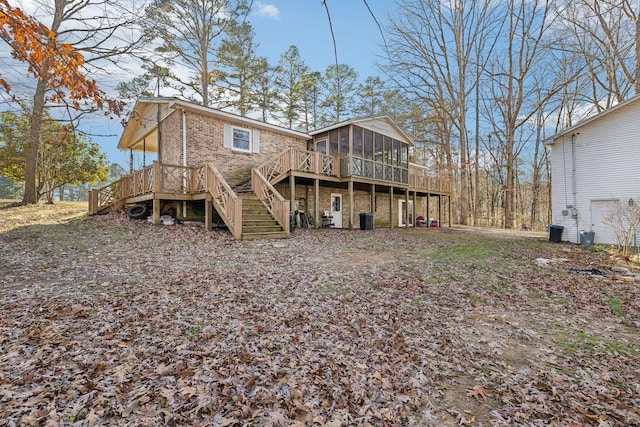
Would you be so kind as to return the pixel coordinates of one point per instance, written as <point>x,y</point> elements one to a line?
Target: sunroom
<point>372,148</point>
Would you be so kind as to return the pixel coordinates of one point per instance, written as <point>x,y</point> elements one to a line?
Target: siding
<point>607,164</point>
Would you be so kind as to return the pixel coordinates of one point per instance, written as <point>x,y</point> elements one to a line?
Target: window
<point>321,146</point>
<point>388,149</point>
<point>379,147</point>
<point>357,141</point>
<point>344,141</point>
<point>397,153</point>
<point>241,139</point>
<point>368,144</point>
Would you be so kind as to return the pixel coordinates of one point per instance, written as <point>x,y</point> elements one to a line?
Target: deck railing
<point>293,159</point>
<point>269,196</point>
<point>421,182</point>
<point>158,178</point>
<point>312,162</point>
<point>227,202</point>
<point>165,178</point>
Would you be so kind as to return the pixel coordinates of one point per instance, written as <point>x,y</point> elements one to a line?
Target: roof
<point>381,124</point>
<point>591,119</point>
<point>141,134</point>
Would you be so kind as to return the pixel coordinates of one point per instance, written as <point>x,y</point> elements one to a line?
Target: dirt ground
<point>110,321</point>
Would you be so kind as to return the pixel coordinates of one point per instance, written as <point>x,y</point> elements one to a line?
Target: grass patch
<point>616,307</point>
<point>330,287</point>
<point>571,343</point>
<point>614,304</point>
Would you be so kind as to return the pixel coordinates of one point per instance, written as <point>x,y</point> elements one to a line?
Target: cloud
<point>267,10</point>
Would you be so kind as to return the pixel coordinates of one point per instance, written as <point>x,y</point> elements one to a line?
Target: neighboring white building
<point>595,167</point>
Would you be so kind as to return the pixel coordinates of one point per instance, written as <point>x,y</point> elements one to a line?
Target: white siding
<point>607,164</point>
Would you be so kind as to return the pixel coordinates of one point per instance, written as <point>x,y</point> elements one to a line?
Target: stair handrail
<point>277,166</point>
<point>277,206</point>
<point>227,202</point>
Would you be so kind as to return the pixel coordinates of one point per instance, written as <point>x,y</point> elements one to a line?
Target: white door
<point>402,211</point>
<point>601,209</point>
<point>336,209</point>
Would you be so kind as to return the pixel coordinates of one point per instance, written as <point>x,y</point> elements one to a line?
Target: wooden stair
<point>257,222</point>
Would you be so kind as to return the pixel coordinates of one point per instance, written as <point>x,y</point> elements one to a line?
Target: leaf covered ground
<point>110,321</point>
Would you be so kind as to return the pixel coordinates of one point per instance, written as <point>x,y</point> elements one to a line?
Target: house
<point>250,175</point>
<point>593,172</point>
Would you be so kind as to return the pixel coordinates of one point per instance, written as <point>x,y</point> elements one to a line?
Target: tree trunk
<point>509,188</point>
<point>31,161</point>
<point>464,187</point>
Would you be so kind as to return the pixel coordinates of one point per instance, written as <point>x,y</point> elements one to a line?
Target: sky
<point>281,23</point>
<point>278,24</point>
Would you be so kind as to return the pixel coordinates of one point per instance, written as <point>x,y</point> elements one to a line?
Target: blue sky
<point>281,23</point>
<point>278,24</point>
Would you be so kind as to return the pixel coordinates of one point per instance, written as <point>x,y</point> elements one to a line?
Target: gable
<point>384,127</point>
<point>381,124</point>
<point>631,106</point>
<point>141,129</point>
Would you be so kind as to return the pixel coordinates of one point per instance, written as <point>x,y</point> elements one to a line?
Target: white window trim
<point>254,139</point>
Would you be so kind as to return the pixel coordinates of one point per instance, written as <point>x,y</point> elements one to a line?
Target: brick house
<point>250,175</point>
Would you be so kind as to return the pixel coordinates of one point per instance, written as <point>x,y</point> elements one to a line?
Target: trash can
<point>555,233</point>
<point>366,221</point>
<point>292,222</point>
<point>586,238</point>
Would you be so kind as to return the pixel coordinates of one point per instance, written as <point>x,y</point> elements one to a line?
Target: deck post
<point>406,211</point>
<point>390,206</point>
<point>350,186</point>
<point>415,206</point>
<point>156,211</point>
<point>316,203</point>
<point>426,215</point>
<point>372,200</point>
<point>93,202</point>
<point>208,212</point>
<point>292,192</point>
<point>157,177</point>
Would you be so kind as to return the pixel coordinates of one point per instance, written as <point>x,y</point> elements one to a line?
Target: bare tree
<point>606,35</point>
<point>432,53</point>
<point>513,85</point>
<point>624,220</point>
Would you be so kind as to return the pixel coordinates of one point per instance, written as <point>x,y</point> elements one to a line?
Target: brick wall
<point>205,143</point>
<point>361,203</point>
<point>171,134</point>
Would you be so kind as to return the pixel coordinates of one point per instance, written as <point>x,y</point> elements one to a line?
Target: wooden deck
<point>187,183</point>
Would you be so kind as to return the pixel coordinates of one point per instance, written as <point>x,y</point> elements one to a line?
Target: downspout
<point>574,210</point>
<point>184,158</point>
<point>159,132</point>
